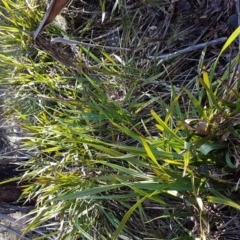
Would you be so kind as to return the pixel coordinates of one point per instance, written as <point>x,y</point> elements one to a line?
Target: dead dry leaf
<point>53,10</point>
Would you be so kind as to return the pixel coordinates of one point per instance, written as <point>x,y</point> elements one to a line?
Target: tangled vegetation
<point>126,140</point>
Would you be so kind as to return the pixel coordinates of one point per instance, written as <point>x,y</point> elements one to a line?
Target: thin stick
<point>107,34</point>
<point>169,56</point>
<point>74,42</point>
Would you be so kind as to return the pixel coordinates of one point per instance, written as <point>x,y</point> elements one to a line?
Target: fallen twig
<point>74,42</point>
<point>169,56</point>
<point>108,33</point>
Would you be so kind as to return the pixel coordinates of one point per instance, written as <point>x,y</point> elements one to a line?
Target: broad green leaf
<point>89,192</point>
<point>150,153</point>
<point>150,185</point>
<point>127,131</point>
<point>127,216</point>
<point>208,147</point>
<point>228,160</point>
<point>200,203</point>
<point>205,82</point>
<point>164,127</point>
<point>230,40</point>
<point>224,201</point>
<point>186,157</point>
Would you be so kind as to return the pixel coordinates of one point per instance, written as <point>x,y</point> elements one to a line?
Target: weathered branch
<point>169,56</point>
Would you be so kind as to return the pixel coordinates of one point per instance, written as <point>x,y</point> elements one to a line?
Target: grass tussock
<point>122,144</point>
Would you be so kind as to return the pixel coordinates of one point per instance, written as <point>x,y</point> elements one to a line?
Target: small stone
<point>233,21</point>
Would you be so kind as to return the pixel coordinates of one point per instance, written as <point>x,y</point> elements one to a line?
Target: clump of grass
<point>111,159</point>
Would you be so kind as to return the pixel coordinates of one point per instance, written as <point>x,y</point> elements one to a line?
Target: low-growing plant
<point>112,161</point>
